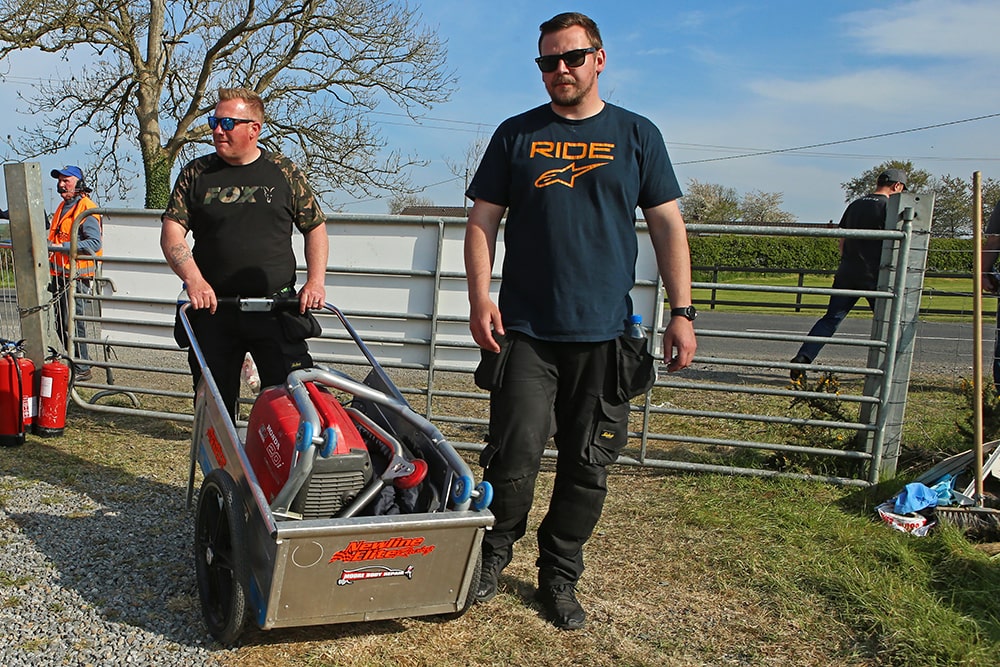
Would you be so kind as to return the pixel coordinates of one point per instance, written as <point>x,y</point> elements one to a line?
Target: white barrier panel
<point>392,275</point>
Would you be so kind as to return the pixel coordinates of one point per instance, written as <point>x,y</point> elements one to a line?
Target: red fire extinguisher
<point>53,388</point>
<point>17,383</point>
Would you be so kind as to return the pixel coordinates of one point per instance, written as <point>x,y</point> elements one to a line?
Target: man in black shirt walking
<point>859,262</point>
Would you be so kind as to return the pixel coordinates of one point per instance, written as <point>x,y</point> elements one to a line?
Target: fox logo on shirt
<point>232,194</point>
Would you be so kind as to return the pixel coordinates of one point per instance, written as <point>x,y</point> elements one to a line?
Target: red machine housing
<point>17,403</point>
<point>53,387</point>
<point>270,449</point>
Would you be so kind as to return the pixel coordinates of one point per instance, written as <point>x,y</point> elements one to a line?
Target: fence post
<point>798,295</point>
<point>917,210</point>
<point>31,257</point>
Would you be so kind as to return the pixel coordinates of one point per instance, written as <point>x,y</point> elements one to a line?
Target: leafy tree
<point>760,206</point>
<point>709,202</point>
<point>991,197</point>
<point>865,183</point>
<point>321,68</point>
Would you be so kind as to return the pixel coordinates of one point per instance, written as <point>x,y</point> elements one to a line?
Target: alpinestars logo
<point>553,176</point>
<point>598,153</point>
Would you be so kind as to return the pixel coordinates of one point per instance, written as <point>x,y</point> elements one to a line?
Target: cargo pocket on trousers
<point>636,367</point>
<point>489,372</point>
<point>610,432</point>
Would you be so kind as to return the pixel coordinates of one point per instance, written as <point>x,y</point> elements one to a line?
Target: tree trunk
<point>157,179</point>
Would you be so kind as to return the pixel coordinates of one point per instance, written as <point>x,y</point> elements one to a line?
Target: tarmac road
<point>941,347</point>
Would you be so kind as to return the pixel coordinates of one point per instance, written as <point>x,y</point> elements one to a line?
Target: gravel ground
<point>92,578</point>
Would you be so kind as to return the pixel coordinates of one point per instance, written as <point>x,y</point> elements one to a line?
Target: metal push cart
<point>315,552</point>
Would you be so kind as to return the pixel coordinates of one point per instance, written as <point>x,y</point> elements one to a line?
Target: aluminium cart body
<point>257,559</point>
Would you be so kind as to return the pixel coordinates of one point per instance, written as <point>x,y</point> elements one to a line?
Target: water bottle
<point>182,297</point>
<point>633,329</point>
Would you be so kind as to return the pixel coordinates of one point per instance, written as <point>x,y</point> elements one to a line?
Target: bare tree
<point>466,168</point>
<point>321,68</point>
<point>399,202</point>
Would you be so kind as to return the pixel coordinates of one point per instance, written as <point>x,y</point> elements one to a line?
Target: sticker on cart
<point>397,547</point>
<point>372,572</point>
<point>213,441</point>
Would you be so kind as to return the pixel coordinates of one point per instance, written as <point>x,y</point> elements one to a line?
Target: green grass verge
<point>940,294</point>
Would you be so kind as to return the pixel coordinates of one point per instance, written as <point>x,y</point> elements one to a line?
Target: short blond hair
<point>249,97</point>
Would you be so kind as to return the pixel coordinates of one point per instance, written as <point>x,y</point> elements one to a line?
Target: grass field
<point>942,297</point>
<point>683,569</point>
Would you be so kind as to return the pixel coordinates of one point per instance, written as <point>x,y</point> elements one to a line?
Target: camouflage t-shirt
<point>241,218</point>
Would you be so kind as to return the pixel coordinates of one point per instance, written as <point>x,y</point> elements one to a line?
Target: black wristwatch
<point>689,312</point>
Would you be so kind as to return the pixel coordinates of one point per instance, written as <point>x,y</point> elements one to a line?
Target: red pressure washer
<point>53,396</point>
<point>17,383</point>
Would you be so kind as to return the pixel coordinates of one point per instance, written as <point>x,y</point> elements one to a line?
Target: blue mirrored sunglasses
<point>226,123</point>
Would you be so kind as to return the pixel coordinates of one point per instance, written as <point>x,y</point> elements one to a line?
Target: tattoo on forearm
<point>178,254</point>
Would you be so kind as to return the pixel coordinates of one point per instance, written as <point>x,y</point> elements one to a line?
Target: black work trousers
<point>567,391</point>
<point>226,337</point>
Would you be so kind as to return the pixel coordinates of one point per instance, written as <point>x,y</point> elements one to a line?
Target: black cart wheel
<point>220,557</point>
<point>470,597</point>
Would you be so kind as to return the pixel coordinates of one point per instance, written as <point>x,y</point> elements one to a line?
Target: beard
<point>568,96</point>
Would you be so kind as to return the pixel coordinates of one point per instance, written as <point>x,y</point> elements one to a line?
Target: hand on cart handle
<point>312,296</point>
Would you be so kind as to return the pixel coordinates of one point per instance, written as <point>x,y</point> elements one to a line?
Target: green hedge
<point>809,253</point>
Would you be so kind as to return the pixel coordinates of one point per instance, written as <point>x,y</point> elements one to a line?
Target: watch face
<point>689,312</point>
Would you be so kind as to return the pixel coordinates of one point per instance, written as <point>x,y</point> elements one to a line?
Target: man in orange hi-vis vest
<point>75,200</point>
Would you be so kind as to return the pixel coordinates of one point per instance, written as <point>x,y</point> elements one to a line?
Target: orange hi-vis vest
<point>59,233</point>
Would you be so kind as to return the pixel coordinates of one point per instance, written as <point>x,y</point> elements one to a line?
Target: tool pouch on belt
<point>298,326</point>
<point>489,372</point>
<point>636,367</point>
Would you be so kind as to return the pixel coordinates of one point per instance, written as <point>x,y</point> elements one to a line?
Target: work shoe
<point>493,564</point>
<point>84,375</point>
<point>797,374</point>
<point>561,607</point>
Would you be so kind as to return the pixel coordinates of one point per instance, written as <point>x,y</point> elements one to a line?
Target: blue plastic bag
<point>943,489</point>
<point>915,497</point>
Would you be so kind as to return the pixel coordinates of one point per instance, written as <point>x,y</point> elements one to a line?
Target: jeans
<point>827,325</point>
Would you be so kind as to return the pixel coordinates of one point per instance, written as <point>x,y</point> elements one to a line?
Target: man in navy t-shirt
<point>569,175</point>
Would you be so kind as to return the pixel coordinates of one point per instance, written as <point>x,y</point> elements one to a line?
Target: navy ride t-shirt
<point>571,188</point>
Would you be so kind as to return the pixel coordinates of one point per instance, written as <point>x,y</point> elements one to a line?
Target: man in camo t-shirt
<point>240,204</point>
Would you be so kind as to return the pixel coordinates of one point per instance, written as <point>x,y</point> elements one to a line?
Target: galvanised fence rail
<point>401,281</point>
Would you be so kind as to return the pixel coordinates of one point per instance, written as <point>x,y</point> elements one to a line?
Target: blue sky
<point>727,78</point>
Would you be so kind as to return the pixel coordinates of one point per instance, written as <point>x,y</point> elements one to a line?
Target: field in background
<point>940,294</point>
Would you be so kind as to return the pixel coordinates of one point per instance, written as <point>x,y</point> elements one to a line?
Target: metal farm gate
<point>400,280</point>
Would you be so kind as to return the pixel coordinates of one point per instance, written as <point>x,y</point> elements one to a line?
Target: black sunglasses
<point>227,123</point>
<point>573,58</point>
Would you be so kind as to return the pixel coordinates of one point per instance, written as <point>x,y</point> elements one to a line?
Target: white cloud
<point>952,28</point>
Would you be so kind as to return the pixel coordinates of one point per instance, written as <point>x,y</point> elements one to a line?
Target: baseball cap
<point>894,176</point>
<point>68,170</point>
